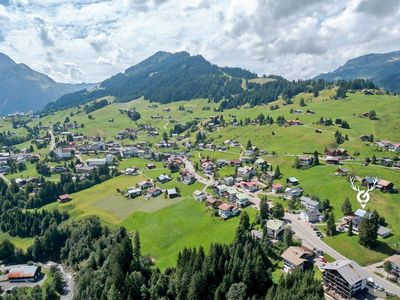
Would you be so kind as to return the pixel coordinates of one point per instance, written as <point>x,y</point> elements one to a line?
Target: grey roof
<point>348,269</point>
<point>382,231</point>
<point>308,201</point>
<point>172,191</point>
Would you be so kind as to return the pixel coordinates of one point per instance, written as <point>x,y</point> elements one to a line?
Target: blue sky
<point>89,40</point>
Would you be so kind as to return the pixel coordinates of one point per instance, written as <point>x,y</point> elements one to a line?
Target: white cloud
<point>89,40</point>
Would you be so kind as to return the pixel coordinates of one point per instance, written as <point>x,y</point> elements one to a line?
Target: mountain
<point>164,77</point>
<point>383,69</point>
<point>23,89</point>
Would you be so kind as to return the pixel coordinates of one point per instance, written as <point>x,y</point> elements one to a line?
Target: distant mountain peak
<point>381,68</point>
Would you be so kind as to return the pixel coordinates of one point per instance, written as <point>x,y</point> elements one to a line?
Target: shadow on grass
<point>383,247</point>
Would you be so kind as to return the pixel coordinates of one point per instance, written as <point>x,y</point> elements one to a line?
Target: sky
<point>90,40</point>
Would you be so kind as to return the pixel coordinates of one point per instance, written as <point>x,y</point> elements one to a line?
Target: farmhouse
<point>297,257</point>
<point>64,198</point>
<point>336,152</point>
<point>145,184</point>
<point>163,178</point>
<point>24,274</point>
<point>246,172</point>
<point>63,153</point>
<point>306,160</point>
<point>134,192</point>
<point>249,186</point>
<point>172,193</point>
<point>154,191</point>
<point>275,228</point>
<point>332,160</point>
<point>293,123</point>
<point>342,171</point>
<point>186,177</point>
<point>291,181</point>
<point>385,185</point>
<point>344,278</point>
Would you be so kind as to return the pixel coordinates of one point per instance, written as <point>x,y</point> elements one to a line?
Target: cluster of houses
<point>145,188</point>
<point>356,219</point>
<point>388,145</point>
<point>7,159</point>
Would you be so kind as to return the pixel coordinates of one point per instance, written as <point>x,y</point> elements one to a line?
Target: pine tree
<point>330,225</point>
<point>346,207</point>
<point>287,237</point>
<point>264,210</point>
<point>350,230</point>
<point>249,145</point>
<point>136,245</point>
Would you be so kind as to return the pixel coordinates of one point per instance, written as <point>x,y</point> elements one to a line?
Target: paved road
<point>52,140</point>
<point>304,231</point>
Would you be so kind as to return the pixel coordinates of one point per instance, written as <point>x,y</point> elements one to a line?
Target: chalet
<point>150,166</point>
<point>297,257</point>
<point>394,261</point>
<point>365,138</point>
<point>163,178</point>
<point>83,169</point>
<point>131,171</point>
<point>222,162</point>
<point>226,211</point>
<point>344,278</point>
<point>231,194</point>
<point>96,162</point>
<point>292,181</point>
<point>145,184</point>
<point>277,188</point>
<point>24,273</point>
<point>261,163</point>
<point>186,177</point>
<point>293,123</point>
<point>311,216</point>
<point>246,172</point>
<point>134,192</point>
<point>332,160</point>
<point>199,195</point>
<point>59,169</point>
<point>383,232</point>
<point>292,193</point>
<point>64,198</point>
<point>385,185</point>
<point>275,228</point>
<point>242,200</point>
<point>250,186</point>
<point>336,152</point>
<point>268,176</point>
<point>236,163</point>
<point>229,181</point>
<point>306,161</point>
<point>342,171</point>
<point>368,181</point>
<point>213,203</point>
<point>154,192</point>
<point>207,167</point>
<point>172,193</point>
<point>221,190</point>
<point>309,203</point>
